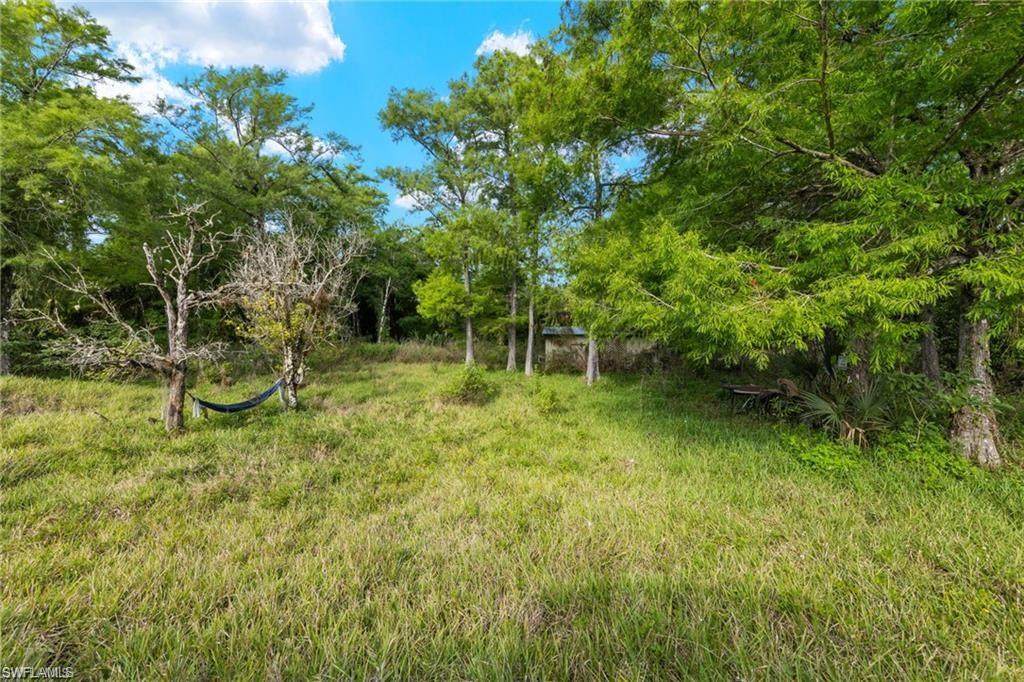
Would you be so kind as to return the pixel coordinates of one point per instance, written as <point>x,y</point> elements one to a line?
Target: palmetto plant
<point>852,415</point>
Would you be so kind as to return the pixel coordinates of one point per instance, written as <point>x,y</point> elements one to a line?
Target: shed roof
<point>564,331</point>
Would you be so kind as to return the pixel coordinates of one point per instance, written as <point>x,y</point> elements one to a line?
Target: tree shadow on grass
<point>600,626</point>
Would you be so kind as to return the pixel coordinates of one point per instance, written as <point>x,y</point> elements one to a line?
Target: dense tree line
<point>740,182</point>
<point>846,175</point>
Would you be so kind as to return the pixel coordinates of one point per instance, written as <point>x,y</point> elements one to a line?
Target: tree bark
<point>860,373</point>
<point>291,377</point>
<point>470,356</point>
<point>6,294</point>
<point>593,372</point>
<point>510,365</point>
<point>975,428</point>
<point>930,350</point>
<point>528,362</point>
<point>382,319</point>
<point>174,412</point>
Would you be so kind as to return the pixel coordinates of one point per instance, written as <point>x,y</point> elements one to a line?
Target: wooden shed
<point>565,348</point>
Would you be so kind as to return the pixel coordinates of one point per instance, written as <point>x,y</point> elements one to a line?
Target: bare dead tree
<point>295,288</point>
<point>172,266</point>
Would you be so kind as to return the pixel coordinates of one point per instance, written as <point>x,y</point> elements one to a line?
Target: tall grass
<point>633,530</point>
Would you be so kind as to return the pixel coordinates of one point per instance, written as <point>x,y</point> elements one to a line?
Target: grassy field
<point>635,530</point>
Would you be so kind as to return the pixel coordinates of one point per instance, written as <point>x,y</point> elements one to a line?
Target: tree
<point>796,189</point>
<point>247,145</point>
<point>63,149</point>
<point>461,287</point>
<point>173,267</point>
<point>447,187</point>
<point>589,151</point>
<point>546,172</point>
<point>294,288</point>
<point>498,136</point>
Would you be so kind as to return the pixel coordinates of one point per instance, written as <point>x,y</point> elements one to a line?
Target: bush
<point>850,415</point>
<point>547,400</point>
<point>928,450</point>
<point>469,385</point>
<point>835,459</point>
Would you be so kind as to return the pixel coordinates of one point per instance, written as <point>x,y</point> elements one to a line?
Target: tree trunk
<point>593,373</point>
<point>975,429</point>
<point>382,319</point>
<point>510,365</point>
<point>470,356</point>
<point>174,412</point>
<point>860,373</point>
<point>962,328</point>
<point>6,294</point>
<point>528,362</point>
<point>930,350</point>
<point>291,377</point>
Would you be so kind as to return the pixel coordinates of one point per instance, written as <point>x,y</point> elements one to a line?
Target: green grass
<point>634,530</point>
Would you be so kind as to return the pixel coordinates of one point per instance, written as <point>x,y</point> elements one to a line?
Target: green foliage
<point>928,450</point>
<point>666,287</point>
<point>851,414</point>
<point>804,172</point>
<point>67,156</point>
<point>547,400</point>
<point>441,297</point>
<point>223,135</point>
<point>832,459</point>
<point>470,385</point>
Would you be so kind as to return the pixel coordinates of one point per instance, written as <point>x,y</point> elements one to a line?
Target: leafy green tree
<point>64,150</point>
<point>569,115</point>
<point>447,188</point>
<point>459,247</point>
<point>246,146</point>
<point>499,138</point>
<point>546,172</point>
<point>815,168</point>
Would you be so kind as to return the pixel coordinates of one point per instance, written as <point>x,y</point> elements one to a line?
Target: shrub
<point>928,450</point>
<point>469,385</point>
<point>852,416</point>
<point>221,373</point>
<point>827,458</point>
<point>547,400</point>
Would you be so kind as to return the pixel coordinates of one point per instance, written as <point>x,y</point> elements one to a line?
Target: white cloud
<point>407,201</point>
<point>153,85</point>
<point>295,36</point>
<point>517,43</point>
<point>298,37</point>
<point>289,145</point>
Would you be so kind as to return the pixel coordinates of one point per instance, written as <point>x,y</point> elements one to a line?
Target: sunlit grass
<point>632,530</point>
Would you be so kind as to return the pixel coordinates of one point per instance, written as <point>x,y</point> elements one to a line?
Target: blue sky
<point>342,57</point>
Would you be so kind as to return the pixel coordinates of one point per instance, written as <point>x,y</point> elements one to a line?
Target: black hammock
<point>198,404</point>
